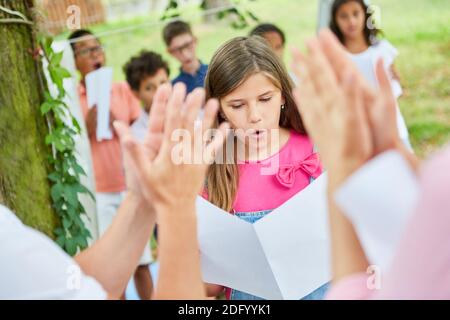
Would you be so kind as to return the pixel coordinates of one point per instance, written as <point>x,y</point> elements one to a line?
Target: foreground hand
<point>348,120</point>
<point>153,167</point>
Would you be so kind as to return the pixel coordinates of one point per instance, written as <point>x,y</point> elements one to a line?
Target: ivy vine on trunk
<point>72,235</point>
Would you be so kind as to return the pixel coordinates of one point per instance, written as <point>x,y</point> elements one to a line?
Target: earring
<point>283,106</point>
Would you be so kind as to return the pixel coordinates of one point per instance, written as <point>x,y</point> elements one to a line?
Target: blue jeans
<point>252,217</point>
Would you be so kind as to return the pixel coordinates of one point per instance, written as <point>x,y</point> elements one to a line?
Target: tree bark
<point>24,186</point>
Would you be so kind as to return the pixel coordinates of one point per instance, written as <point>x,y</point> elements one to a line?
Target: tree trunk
<point>24,186</point>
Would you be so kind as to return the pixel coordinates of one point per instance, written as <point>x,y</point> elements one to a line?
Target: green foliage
<point>239,16</point>
<point>171,11</point>
<point>72,235</point>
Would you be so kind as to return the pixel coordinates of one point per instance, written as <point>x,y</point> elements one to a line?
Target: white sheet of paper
<point>379,199</point>
<point>231,253</point>
<point>282,256</point>
<point>98,87</point>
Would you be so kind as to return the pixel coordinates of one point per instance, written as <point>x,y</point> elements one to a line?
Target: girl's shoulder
<point>386,49</point>
<point>383,44</point>
<point>298,139</point>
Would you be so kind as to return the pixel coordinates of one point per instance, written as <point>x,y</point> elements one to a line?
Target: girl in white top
<point>352,22</point>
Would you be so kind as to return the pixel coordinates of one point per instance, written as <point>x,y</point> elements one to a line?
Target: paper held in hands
<point>98,87</point>
<point>285,255</point>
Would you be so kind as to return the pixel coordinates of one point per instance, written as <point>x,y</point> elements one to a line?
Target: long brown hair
<point>370,34</point>
<point>231,65</point>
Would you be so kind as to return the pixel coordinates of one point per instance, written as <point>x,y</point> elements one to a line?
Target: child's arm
<point>394,73</point>
<point>337,121</point>
<point>114,257</point>
<point>347,256</point>
<point>172,188</point>
<point>179,275</point>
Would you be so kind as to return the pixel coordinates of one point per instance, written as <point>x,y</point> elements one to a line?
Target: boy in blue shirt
<point>182,45</point>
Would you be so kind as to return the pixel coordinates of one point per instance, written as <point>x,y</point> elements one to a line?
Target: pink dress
<point>267,184</point>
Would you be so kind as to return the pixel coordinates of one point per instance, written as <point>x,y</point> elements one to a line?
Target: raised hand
<point>333,112</point>
<point>380,102</point>
<point>349,120</point>
<point>153,168</point>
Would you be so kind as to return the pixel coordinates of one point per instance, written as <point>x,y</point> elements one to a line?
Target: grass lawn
<point>420,30</point>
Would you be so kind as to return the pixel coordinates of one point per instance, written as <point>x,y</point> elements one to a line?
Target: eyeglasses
<point>88,51</point>
<point>179,50</point>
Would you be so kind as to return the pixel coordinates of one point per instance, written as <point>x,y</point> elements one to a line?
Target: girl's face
<point>148,87</point>
<point>351,19</point>
<point>254,108</point>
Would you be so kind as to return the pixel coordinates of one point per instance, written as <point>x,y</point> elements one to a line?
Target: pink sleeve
<point>204,194</point>
<point>421,266</point>
<point>353,287</point>
<point>319,170</point>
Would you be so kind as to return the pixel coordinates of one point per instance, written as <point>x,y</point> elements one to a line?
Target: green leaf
<point>58,74</point>
<point>61,241</point>
<point>56,59</point>
<point>47,46</point>
<point>78,169</point>
<point>71,196</point>
<point>54,176</point>
<point>253,16</point>
<point>62,72</point>
<point>76,125</point>
<point>82,242</point>
<point>86,233</point>
<point>59,231</point>
<point>66,222</point>
<point>72,212</point>
<point>46,107</point>
<point>56,192</point>
<point>49,139</point>
<point>71,246</point>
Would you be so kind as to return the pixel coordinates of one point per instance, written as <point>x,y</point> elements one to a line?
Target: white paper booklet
<point>98,87</point>
<point>285,255</point>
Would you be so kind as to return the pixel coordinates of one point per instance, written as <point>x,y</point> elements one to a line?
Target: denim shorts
<point>252,217</point>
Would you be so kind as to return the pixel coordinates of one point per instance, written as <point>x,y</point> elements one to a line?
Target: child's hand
<point>151,166</point>
<point>91,122</point>
<point>380,103</point>
<point>349,120</point>
<point>333,112</point>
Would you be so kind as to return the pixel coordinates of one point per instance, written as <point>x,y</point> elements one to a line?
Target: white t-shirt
<point>33,267</point>
<point>366,63</point>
